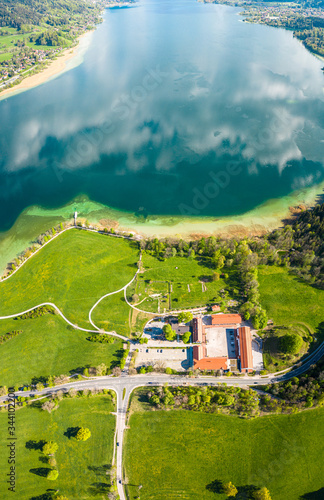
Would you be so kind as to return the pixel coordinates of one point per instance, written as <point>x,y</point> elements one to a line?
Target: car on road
<point>117,444</point>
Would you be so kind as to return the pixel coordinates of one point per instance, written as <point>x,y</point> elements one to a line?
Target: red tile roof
<point>245,348</point>
<point>197,330</point>
<point>211,364</point>
<point>226,319</point>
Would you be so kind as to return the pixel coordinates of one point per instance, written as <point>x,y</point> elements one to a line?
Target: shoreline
<point>68,59</point>
<point>265,218</point>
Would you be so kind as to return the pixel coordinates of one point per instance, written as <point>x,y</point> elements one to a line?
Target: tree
<point>83,434</point>
<point>260,319</point>
<point>215,276</point>
<point>262,494</point>
<point>169,333</point>
<point>3,391</point>
<point>185,317</point>
<point>50,448</point>
<point>49,406</point>
<point>290,343</point>
<point>52,462</point>
<point>52,474</point>
<point>186,337</point>
<point>229,489</point>
<point>101,370</point>
<point>60,497</point>
<point>116,371</point>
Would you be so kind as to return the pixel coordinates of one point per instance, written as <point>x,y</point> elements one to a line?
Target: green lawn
<point>288,300</point>
<point>46,347</point>
<point>185,276</point>
<point>74,459</point>
<point>177,454</point>
<point>5,57</point>
<point>73,271</point>
<point>113,313</point>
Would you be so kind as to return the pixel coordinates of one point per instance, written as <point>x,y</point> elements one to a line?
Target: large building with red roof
<point>221,340</point>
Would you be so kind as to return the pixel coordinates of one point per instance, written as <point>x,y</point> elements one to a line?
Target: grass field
<point>113,313</point>
<point>288,300</point>
<point>183,454</point>
<point>46,347</point>
<point>180,281</point>
<point>76,460</point>
<point>73,271</point>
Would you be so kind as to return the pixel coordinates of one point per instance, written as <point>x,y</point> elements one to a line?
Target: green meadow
<point>180,282</point>
<point>48,346</point>
<point>79,463</point>
<point>185,454</point>
<point>289,300</point>
<point>73,271</point>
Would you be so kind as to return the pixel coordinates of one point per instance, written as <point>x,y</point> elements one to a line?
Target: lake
<point>179,109</point>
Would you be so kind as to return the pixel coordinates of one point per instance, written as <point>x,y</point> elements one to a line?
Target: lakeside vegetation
<point>191,454</point>
<point>81,465</point>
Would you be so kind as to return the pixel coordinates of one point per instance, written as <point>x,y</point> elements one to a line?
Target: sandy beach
<point>68,59</point>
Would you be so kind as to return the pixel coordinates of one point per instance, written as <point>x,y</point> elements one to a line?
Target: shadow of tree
<point>215,486</point>
<point>71,432</point>
<point>243,492</point>
<point>100,470</point>
<point>40,471</point>
<point>45,496</point>
<point>314,495</point>
<point>35,445</point>
<point>99,489</point>
<point>35,380</point>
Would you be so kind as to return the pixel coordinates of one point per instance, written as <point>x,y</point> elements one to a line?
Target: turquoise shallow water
<point>179,108</point>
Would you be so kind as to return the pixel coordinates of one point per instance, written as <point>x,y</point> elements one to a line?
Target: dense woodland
<point>303,242</point>
<point>19,13</point>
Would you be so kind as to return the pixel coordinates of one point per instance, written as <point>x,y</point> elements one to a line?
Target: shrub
<point>185,317</point>
<point>83,434</point>
<point>52,462</point>
<point>229,489</point>
<point>52,475</point>
<point>262,494</point>
<point>50,448</point>
<point>290,343</point>
<point>169,333</point>
<point>186,337</point>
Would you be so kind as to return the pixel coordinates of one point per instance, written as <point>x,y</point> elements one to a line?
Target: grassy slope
<point>73,271</point>
<point>73,458</point>
<point>113,314</point>
<point>48,346</point>
<point>176,454</point>
<point>288,300</point>
<point>182,272</point>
